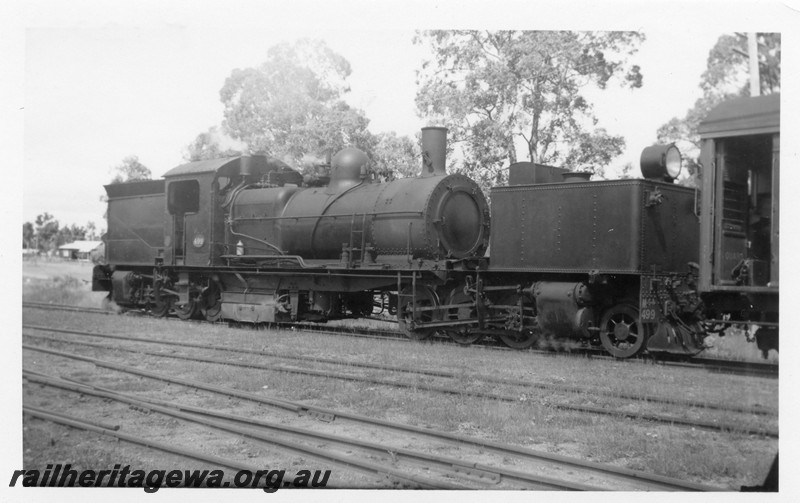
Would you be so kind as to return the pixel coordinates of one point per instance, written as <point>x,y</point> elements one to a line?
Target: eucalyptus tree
<point>130,170</point>
<point>504,92</point>
<point>726,77</point>
<point>292,104</point>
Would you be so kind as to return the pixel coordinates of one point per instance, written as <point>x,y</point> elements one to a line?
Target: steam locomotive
<point>615,263</point>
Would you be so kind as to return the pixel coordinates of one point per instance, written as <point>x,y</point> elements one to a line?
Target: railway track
<point>736,367</point>
<point>279,432</point>
<point>507,396</point>
<point>405,370</point>
<point>468,474</point>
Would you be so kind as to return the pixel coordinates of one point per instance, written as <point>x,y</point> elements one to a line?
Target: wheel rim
<point>425,297</point>
<point>214,313</point>
<point>520,340</point>
<point>461,334</point>
<point>621,332</point>
<point>515,335</point>
<point>212,305</point>
<point>187,311</point>
<point>162,307</point>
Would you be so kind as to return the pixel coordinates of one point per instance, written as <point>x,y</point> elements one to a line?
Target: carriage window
<point>183,197</point>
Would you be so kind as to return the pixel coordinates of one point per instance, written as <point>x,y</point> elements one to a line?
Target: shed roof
<point>81,246</point>
<point>743,116</point>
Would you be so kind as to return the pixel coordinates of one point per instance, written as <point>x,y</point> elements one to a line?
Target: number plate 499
<point>649,308</point>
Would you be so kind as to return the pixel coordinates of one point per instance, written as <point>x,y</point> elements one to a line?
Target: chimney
<point>434,151</point>
<point>246,165</point>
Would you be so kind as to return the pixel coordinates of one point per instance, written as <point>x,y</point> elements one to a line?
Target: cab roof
<point>228,166</point>
<point>743,117</point>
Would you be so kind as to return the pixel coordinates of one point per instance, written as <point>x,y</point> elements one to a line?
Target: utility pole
<point>752,58</point>
<point>752,52</point>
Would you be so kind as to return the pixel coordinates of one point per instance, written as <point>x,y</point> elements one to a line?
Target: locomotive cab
<point>197,192</point>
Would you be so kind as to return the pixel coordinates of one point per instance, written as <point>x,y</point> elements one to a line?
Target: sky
<point>145,80</point>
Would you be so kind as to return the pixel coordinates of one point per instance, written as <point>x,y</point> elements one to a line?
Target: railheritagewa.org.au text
<point>59,475</point>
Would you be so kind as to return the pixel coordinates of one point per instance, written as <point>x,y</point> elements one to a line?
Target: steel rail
<point>310,451</point>
<point>491,474</point>
<point>409,370</point>
<point>659,418</point>
<point>83,424</point>
<point>98,424</point>
<point>738,367</point>
<point>62,307</point>
<point>331,414</point>
<point>719,365</point>
<point>735,367</point>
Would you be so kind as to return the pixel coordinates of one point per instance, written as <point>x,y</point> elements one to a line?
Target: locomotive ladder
<point>357,234</point>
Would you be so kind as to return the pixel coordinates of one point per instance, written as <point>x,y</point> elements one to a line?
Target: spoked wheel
<point>517,335</point>
<point>212,305</point>
<point>621,332</point>
<point>520,340</point>
<point>162,307</point>
<point>213,313</point>
<point>187,311</point>
<point>425,297</point>
<point>462,334</point>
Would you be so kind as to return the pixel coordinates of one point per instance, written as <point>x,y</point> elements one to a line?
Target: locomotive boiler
<point>433,216</point>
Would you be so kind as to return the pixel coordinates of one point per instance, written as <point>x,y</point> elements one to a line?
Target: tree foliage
<point>70,233</point>
<point>130,170</point>
<point>292,107</point>
<point>28,235</point>
<point>727,69</point>
<point>46,231</point>
<point>91,231</point>
<point>46,234</point>
<point>500,90</point>
<point>726,77</point>
<point>292,104</point>
<point>396,156</point>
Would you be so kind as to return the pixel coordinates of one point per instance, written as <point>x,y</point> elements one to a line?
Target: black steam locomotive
<point>611,263</point>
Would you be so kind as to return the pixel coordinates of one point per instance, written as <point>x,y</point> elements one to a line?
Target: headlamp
<point>661,162</point>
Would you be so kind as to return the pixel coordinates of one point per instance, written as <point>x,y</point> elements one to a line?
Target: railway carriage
<point>740,215</point>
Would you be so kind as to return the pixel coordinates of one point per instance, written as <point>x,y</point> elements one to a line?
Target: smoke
<point>225,142</point>
<point>551,342</point>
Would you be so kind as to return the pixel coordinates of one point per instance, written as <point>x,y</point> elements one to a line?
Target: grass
<point>56,281</point>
